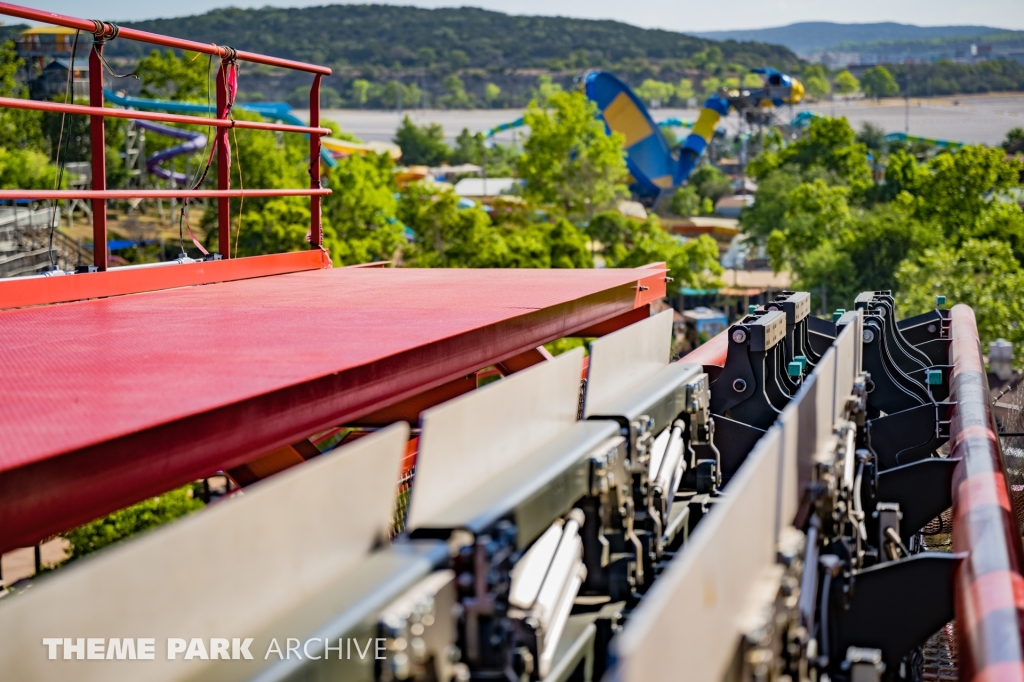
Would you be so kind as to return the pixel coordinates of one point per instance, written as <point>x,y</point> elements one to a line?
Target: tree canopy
<point>878,82</point>
<point>569,162</point>
<point>945,225</point>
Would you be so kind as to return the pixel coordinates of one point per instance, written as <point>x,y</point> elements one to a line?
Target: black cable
<point>196,179</point>
<point>59,177</point>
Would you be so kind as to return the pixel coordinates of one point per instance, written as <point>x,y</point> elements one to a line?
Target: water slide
<point>193,143</point>
<point>277,111</point>
<point>903,137</point>
<point>654,166</point>
<point>651,161</point>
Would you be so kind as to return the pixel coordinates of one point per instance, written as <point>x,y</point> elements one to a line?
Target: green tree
<point>629,243</point>
<point>1014,141</point>
<point>491,94</point>
<point>830,145</point>
<point>421,145</point>
<point>568,246</point>
<point>846,83</point>
<point>956,190</point>
<point>651,91</point>
<point>685,91</point>
<point>24,160</point>
<point>20,129</point>
<point>710,183</point>
<point>447,236</point>
<point>396,92</point>
<point>545,90</point>
<point>456,97</point>
<point>872,137</point>
<point>130,521</point>
<point>710,86</point>
<point>878,82</point>
<point>360,92</point>
<point>569,162</point>
<point>817,87</point>
<point>981,273</point>
<point>165,75</point>
<point>361,211</point>
<point>686,202</point>
<point>752,80</point>
<point>469,148</point>
<point>264,225</point>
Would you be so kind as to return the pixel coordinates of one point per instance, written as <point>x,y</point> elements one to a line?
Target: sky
<point>677,15</point>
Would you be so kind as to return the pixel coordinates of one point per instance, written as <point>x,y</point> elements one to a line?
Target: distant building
<point>53,81</point>
<point>840,60</point>
<point>482,188</point>
<point>731,207</point>
<point>46,51</point>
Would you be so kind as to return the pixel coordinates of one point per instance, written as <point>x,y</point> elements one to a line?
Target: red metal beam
<point>107,31</point>
<point>136,115</point>
<point>713,352</point>
<point>989,584</point>
<point>61,195</point>
<point>106,402</point>
<point>639,313</point>
<point>32,291</point>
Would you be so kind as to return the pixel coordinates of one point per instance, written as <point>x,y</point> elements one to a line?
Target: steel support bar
<point>989,585</point>
<point>137,115</point>
<point>45,194</point>
<point>106,30</point>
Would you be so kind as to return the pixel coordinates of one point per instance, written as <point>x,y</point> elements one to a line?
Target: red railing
<point>104,32</point>
<point>989,584</point>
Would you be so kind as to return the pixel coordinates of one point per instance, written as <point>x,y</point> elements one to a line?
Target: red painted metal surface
<point>989,583</point>
<point>137,115</point>
<point>106,402</point>
<point>33,291</point>
<point>61,194</point>
<point>89,26</point>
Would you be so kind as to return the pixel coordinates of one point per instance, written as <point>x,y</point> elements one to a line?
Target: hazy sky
<point>668,14</point>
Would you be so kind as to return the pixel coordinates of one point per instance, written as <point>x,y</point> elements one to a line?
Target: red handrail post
<point>316,228</point>
<point>223,166</point>
<point>98,147</point>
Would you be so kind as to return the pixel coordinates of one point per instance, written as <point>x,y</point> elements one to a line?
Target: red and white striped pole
<point>989,585</point>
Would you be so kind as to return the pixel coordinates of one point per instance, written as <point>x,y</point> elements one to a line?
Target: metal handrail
<point>137,115</point>
<point>104,32</point>
<point>989,585</point>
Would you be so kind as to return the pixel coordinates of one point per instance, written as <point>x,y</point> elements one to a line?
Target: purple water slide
<point>193,143</point>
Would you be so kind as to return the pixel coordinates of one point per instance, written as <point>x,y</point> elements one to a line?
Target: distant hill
<point>806,38</point>
<point>422,46</point>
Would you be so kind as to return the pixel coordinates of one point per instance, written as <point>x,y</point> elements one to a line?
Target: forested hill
<point>379,43</point>
<point>381,36</point>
